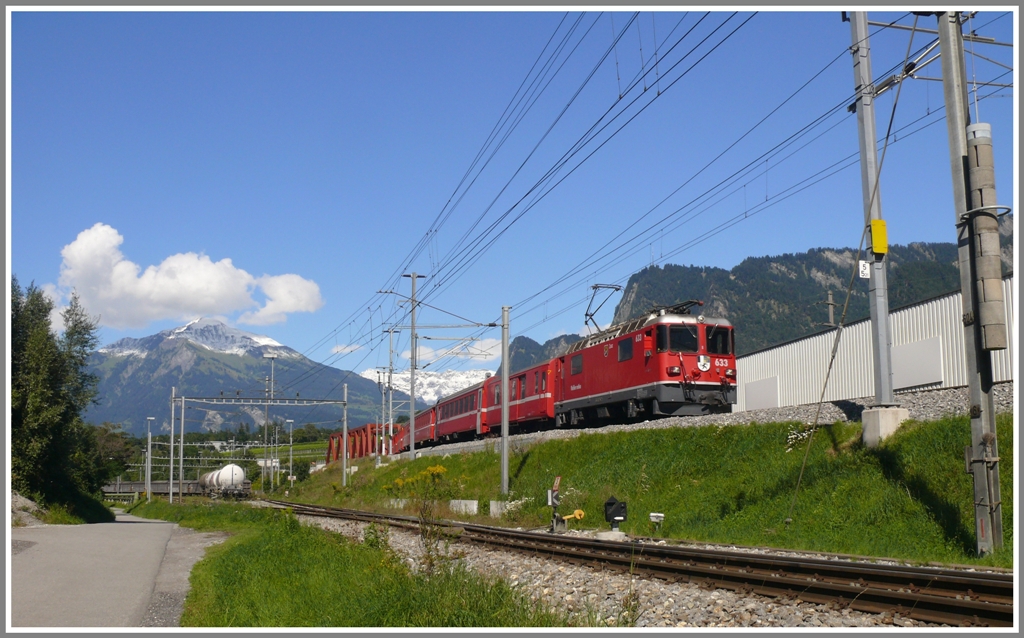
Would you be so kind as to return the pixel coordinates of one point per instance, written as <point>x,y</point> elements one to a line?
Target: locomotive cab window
<point>683,338</point>
<point>718,340</point>
<point>577,364</point>
<point>626,349</point>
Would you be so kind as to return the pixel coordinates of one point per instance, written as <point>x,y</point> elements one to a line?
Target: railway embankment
<point>731,478</point>
<point>923,405</point>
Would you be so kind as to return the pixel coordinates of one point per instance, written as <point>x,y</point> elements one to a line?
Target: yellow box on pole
<point>879,237</point>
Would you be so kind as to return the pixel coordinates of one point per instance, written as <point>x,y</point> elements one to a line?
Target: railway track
<point>944,596</point>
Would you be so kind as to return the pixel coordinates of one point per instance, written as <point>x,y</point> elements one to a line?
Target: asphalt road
<point>130,573</point>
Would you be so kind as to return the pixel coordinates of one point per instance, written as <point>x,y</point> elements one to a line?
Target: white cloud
<point>345,349</point>
<point>285,293</point>
<point>184,285</point>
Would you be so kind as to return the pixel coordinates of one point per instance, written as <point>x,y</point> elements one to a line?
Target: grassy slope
<point>909,499</point>
<point>274,572</point>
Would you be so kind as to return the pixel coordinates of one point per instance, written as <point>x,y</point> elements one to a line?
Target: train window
<point>662,338</point>
<point>536,382</point>
<point>512,392</point>
<point>522,387</point>
<point>544,382</point>
<point>683,338</point>
<point>717,339</point>
<point>626,349</point>
<point>497,393</point>
<point>576,364</point>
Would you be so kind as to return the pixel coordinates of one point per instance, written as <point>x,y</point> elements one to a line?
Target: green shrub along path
<point>910,498</point>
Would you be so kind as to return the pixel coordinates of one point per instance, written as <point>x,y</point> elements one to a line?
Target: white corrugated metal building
<point>927,353</point>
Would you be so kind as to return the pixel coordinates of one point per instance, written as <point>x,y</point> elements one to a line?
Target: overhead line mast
<point>885,416</point>
<point>984,313</point>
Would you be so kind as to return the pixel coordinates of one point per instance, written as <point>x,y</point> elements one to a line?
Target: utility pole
<point>291,472</point>
<point>149,459</point>
<point>181,453</point>
<point>266,422</point>
<point>504,399</point>
<point>344,436</point>
<point>980,278</point>
<point>266,419</point>
<point>391,394</point>
<point>412,368</point>
<point>170,475</point>
<point>378,440</point>
<point>885,416</point>
<point>831,310</point>
<point>869,171</point>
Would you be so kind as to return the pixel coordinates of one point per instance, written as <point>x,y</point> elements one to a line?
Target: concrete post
<point>983,454</point>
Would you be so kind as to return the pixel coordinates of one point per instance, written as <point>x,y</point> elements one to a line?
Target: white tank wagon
<point>227,481</point>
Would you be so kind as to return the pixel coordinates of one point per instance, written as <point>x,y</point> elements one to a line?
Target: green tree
<point>54,456</point>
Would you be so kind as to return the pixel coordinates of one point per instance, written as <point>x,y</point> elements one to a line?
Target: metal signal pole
<point>504,399</point>
<point>980,275</point>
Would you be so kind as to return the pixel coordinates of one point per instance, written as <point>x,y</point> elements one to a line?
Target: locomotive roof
<point>656,316</point>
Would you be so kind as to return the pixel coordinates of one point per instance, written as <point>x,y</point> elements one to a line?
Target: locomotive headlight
<point>729,372</point>
<point>673,371</point>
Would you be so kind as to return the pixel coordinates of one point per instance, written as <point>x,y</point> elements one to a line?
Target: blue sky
<point>278,169</point>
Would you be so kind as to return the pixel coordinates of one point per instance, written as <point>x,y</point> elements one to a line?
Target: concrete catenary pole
<point>504,399</point>
<point>878,287</point>
<point>170,475</point>
<point>149,459</point>
<point>982,456</point>
<point>344,436</point>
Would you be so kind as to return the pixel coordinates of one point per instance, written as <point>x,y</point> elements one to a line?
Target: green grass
<point>909,499</point>
<point>274,572</point>
<point>79,510</point>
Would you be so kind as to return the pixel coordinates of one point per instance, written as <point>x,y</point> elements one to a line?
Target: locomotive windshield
<point>677,338</point>
<point>719,340</point>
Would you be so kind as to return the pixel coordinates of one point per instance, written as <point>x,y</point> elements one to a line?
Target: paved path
<point>130,573</point>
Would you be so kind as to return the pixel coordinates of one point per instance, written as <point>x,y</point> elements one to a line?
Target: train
<point>228,481</point>
<point>665,363</point>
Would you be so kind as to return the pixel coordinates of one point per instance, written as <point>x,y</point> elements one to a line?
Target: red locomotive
<point>666,363</point>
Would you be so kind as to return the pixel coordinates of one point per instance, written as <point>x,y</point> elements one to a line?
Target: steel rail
<point>943,596</point>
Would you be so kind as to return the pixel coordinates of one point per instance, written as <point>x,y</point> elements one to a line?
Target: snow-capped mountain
<point>210,334</point>
<point>206,358</point>
<point>431,386</point>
